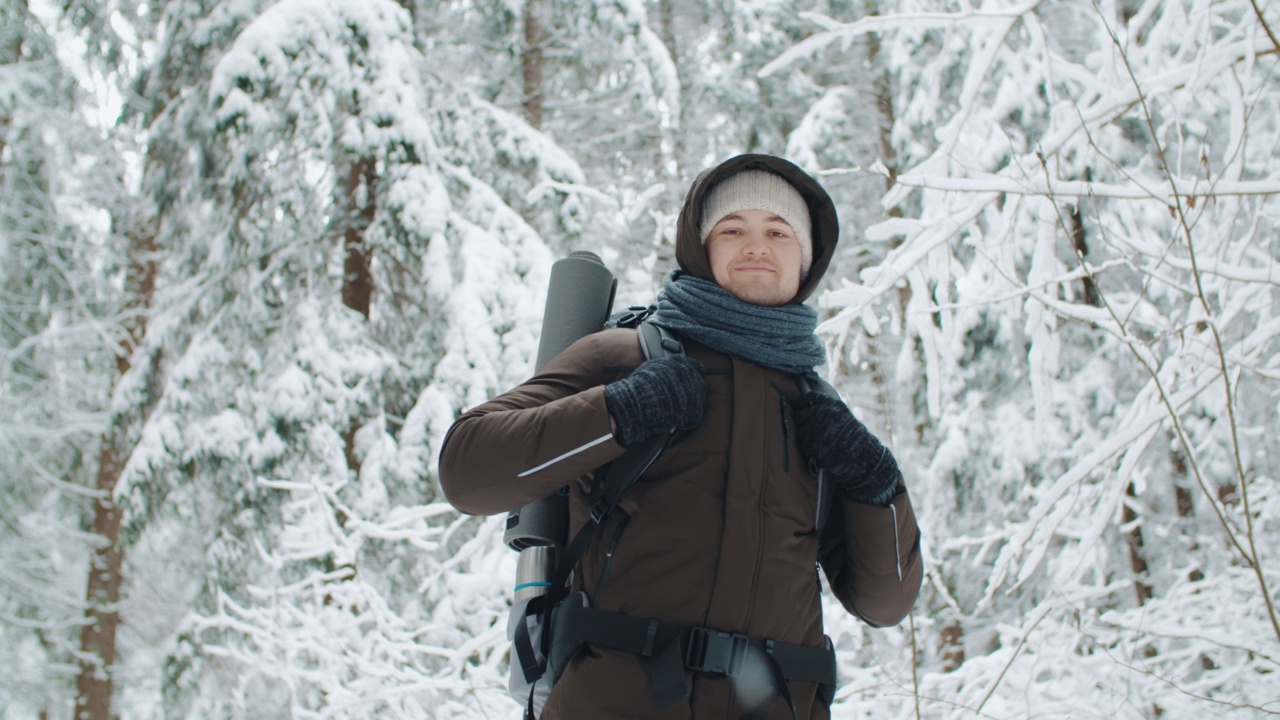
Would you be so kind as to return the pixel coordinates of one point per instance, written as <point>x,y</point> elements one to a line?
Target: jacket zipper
<point>786,429</point>
<point>786,435</point>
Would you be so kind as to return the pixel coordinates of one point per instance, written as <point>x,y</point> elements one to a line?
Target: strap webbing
<point>616,480</point>
<point>611,483</point>
<point>678,650</point>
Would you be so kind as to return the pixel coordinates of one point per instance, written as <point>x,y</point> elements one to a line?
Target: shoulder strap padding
<point>658,342</point>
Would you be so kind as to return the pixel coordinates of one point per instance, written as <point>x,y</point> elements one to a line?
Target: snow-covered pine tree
<point>345,274</point>
<point>63,319</point>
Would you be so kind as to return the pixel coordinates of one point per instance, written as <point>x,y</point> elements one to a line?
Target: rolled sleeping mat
<point>579,298</point>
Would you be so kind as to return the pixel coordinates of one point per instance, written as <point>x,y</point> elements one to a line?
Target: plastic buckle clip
<point>632,316</point>
<point>713,651</point>
<point>600,509</point>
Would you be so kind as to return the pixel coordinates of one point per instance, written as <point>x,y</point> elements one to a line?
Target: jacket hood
<point>691,255</point>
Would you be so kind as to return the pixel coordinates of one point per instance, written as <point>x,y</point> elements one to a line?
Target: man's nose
<point>756,244</point>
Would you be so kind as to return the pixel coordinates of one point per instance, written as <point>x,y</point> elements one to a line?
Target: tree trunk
<point>1133,539</point>
<point>362,204</point>
<point>94,684</point>
<point>882,90</point>
<point>882,87</point>
<point>952,635</point>
<point>667,26</point>
<point>675,136</point>
<point>1075,229</point>
<point>1183,502</point>
<point>1138,564</point>
<point>412,7</point>
<point>1089,294</point>
<point>14,17</point>
<point>672,164</point>
<point>361,198</point>
<point>532,62</point>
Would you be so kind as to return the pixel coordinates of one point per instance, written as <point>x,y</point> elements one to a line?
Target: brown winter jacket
<point>717,533</point>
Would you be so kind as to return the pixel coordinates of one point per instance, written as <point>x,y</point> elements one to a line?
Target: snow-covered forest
<point>257,255</point>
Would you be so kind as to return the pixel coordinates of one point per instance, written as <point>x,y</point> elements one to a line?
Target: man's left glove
<point>842,446</point>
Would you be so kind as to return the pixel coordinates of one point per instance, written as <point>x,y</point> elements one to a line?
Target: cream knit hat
<point>760,190</point>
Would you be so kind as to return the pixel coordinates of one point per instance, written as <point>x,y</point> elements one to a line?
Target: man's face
<point>755,255</point>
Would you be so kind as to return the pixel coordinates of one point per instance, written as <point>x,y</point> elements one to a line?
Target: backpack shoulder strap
<point>622,473</point>
<point>616,478</point>
<point>612,482</point>
<point>813,381</point>
<point>658,342</point>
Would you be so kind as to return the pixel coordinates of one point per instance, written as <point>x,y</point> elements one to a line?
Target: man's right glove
<point>663,394</point>
<point>842,446</point>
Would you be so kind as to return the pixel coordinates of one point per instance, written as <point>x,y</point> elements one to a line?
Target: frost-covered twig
<point>1266,27</point>
<point>915,663</point>
<point>1184,224</point>
<point>1041,614</point>
<point>1142,354</point>
<point>1173,683</point>
<point>834,31</point>
<point>1058,187</point>
<point>1228,398</point>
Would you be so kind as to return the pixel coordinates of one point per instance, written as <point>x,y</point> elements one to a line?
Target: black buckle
<point>600,510</point>
<point>713,651</point>
<point>632,316</point>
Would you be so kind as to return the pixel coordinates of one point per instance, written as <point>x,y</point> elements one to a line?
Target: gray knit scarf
<point>777,337</point>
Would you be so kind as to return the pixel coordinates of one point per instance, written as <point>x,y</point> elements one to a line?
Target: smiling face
<point>755,255</point>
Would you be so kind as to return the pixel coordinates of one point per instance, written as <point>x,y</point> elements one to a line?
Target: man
<point>719,534</point>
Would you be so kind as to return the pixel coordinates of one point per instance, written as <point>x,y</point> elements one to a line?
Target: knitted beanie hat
<point>760,190</point>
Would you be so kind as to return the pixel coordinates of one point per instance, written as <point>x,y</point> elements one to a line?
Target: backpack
<point>548,629</point>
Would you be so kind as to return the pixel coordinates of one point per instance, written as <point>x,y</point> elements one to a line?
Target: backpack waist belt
<point>678,650</point>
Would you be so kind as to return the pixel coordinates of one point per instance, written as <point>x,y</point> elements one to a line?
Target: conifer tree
<point>60,248</point>
<point>356,276</point>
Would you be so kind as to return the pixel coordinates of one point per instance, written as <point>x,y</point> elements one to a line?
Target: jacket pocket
<point>793,493</point>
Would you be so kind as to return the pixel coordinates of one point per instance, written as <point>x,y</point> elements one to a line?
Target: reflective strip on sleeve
<point>897,556</point>
<point>569,454</point>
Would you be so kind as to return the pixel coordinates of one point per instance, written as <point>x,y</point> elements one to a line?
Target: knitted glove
<point>660,395</point>
<point>832,437</point>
